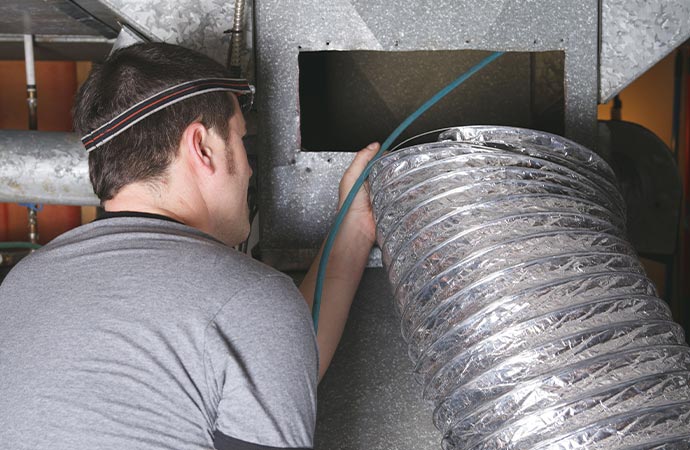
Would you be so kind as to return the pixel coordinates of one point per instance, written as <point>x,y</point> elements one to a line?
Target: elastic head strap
<point>163,99</point>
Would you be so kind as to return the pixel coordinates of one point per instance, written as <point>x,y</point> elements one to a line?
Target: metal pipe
<point>236,40</point>
<point>32,97</point>
<point>44,167</point>
<point>528,316</point>
<point>33,224</point>
<point>32,101</point>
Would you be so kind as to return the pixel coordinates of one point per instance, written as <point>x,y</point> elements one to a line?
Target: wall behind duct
<point>57,82</point>
<point>648,101</point>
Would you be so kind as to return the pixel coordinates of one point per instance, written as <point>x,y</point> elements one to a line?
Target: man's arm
<point>346,264</point>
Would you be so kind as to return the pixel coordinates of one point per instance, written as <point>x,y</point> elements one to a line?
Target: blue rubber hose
<point>328,246</point>
<point>19,246</point>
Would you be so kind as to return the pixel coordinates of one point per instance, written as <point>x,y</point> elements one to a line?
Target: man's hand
<point>360,215</point>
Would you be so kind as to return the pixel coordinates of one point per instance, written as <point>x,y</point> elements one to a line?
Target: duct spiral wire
<point>529,319</point>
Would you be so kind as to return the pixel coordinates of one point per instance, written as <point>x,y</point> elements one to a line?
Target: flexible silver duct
<point>528,316</point>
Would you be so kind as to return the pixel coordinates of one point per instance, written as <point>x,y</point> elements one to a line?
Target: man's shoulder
<point>155,250</point>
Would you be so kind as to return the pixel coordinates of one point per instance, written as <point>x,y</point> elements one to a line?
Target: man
<point>144,329</point>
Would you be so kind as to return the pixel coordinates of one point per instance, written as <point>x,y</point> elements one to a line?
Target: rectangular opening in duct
<point>350,98</point>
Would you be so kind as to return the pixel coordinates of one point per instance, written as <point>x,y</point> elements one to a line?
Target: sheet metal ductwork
<point>591,66</point>
<point>529,319</point>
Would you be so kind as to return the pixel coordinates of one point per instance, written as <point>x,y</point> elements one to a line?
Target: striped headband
<point>163,99</point>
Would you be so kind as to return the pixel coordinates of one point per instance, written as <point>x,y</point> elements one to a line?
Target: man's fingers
<point>363,157</point>
<point>370,150</point>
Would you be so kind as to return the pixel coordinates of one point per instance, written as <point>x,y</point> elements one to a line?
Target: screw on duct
<point>529,319</point>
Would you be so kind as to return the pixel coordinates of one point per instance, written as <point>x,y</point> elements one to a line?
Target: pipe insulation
<point>44,167</point>
<point>528,316</point>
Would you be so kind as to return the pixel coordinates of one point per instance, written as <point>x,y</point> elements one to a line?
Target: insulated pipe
<point>529,318</point>
<point>44,167</point>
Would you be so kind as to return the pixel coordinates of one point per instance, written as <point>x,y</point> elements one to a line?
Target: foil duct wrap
<point>529,319</point>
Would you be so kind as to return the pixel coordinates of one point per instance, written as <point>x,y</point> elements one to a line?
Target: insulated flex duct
<point>529,318</point>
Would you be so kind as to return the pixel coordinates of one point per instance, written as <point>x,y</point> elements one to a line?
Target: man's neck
<point>138,198</point>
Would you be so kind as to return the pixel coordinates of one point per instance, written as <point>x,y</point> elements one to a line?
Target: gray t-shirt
<point>140,334</point>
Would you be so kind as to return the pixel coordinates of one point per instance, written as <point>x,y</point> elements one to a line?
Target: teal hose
<point>18,246</point>
<point>321,273</point>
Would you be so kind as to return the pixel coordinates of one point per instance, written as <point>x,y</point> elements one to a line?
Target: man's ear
<point>196,149</point>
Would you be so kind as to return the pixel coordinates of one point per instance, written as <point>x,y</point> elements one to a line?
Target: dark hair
<point>128,76</point>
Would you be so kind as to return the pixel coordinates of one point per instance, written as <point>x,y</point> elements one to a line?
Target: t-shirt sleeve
<point>261,364</point>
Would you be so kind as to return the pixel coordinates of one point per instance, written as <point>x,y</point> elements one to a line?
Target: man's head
<point>128,76</point>
<point>189,153</point>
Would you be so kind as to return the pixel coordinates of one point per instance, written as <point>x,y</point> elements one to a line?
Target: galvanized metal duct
<point>528,316</point>
<point>44,167</point>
